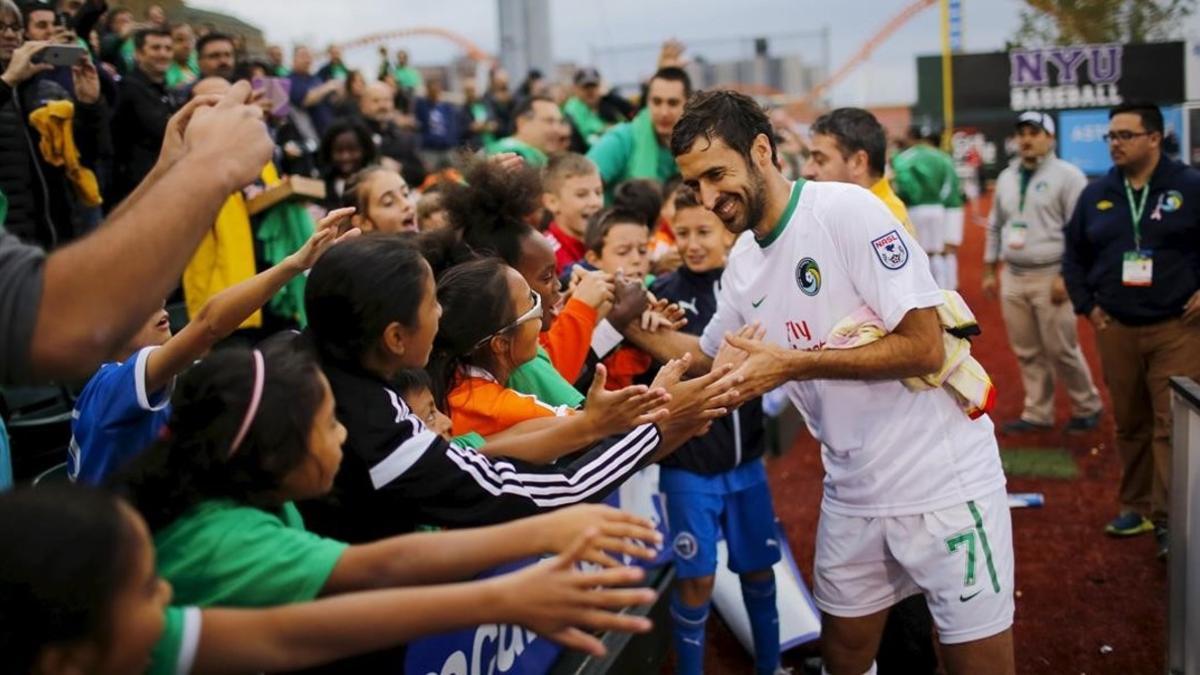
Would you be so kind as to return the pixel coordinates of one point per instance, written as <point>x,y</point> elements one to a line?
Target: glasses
<point>13,27</point>
<point>534,312</point>
<point>1123,135</point>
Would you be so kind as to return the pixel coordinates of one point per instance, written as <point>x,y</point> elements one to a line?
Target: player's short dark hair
<point>600,224</point>
<point>855,129</point>
<point>674,74</point>
<point>211,38</point>
<point>1151,115</point>
<point>140,36</point>
<point>732,117</point>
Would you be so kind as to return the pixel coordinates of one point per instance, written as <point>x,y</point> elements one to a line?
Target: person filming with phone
<point>47,195</point>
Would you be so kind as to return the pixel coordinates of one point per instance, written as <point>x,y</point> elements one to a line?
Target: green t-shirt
<point>539,378</point>
<point>408,77</point>
<point>612,155</point>
<point>175,651</point>
<point>470,440</point>
<point>177,75</point>
<point>225,553</point>
<point>925,175</point>
<point>533,157</point>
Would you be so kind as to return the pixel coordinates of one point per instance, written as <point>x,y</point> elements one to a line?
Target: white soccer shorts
<point>930,223</point>
<point>954,226</point>
<point>960,557</point>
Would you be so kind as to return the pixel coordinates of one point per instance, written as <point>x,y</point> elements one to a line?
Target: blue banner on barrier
<point>512,650</point>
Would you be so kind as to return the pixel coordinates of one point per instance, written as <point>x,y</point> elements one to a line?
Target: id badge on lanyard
<point>1016,234</point>
<point>1137,266</point>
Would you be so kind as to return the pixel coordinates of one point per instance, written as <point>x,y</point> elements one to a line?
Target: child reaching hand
<point>123,407</point>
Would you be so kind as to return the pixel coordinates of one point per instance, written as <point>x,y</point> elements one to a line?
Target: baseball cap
<point>1038,119</point>
<point>586,76</point>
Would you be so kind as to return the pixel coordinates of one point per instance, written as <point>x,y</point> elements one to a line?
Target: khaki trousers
<point>1044,338</point>
<point>1138,361</point>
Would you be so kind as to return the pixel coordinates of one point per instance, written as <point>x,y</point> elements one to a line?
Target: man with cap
<point>586,112</point>
<point>1035,196</point>
<point>1132,266</point>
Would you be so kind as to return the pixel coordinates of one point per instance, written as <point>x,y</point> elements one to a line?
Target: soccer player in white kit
<point>914,498</point>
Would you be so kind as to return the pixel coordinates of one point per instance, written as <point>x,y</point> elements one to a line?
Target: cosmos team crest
<point>808,276</point>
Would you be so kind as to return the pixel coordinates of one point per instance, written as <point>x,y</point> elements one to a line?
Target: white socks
<point>937,266</point>
<point>951,271</point>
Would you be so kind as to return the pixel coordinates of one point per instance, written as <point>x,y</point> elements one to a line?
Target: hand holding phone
<point>60,55</point>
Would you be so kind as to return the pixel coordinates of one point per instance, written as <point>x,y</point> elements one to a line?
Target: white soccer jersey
<point>887,451</point>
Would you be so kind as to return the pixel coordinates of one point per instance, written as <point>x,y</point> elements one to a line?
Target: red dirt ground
<point>1078,590</point>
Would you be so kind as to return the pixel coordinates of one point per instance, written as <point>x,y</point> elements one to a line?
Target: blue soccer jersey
<point>115,418</point>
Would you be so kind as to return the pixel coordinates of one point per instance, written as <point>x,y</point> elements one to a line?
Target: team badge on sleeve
<point>891,250</point>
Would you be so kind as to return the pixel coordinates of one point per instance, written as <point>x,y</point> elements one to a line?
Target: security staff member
<point>1132,266</point>
<point>1035,196</point>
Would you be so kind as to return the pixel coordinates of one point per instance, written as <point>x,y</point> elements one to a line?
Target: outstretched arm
<point>225,311</point>
<point>454,555</point>
<point>553,599</point>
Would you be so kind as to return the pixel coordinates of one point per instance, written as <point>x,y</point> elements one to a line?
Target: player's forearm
<point>900,354</point>
<point>100,290</point>
<point>307,634</point>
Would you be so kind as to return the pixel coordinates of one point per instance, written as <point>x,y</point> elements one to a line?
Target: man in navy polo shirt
<point>1132,266</point>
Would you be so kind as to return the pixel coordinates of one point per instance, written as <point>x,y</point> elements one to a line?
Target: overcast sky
<point>591,32</point>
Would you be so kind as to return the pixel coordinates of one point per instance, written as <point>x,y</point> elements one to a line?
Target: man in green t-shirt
<point>584,111</point>
<point>641,148</point>
<point>541,130</point>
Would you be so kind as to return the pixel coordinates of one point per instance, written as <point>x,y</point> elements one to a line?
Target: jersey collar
<point>787,216</point>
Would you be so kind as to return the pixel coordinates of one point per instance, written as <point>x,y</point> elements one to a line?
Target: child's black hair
<point>410,381</point>
<point>599,225</point>
<point>194,460</point>
<point>491,209</point>
<point>337,128</point>
<point>475,304</point>
<point>642,196</point>
<point>66,552</point>
<point>358,288</point>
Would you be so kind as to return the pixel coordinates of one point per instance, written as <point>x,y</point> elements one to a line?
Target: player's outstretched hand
<point>735,356</point>
<point>617,533</point>
<point>763,368</point>
<point>559,602</point>
<point>615,412</point>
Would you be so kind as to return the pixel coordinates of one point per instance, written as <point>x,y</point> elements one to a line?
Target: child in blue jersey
<point>716,484</point>
<point>124,406</point>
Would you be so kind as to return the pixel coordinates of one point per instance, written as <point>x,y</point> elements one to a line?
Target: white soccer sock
<point>937,266</point>
<point>951,262</point>
<point>871,671</point>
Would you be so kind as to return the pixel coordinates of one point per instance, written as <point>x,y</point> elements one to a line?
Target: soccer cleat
<point>1024,427</point>
<point>1079,425</point>
<point>1129,524</point>
<point>1161,538</point>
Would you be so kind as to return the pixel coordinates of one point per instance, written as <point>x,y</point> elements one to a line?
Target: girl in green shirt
<point>80,594</point>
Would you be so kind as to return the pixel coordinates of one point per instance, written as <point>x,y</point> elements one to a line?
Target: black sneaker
<point>1161,538</point>
<point>1024,427</point>
<point>1080,425</point>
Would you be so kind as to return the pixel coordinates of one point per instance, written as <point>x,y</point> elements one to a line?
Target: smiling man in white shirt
<point>914,492</point>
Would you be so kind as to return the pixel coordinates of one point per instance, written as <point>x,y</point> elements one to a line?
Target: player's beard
<point>756,200</point>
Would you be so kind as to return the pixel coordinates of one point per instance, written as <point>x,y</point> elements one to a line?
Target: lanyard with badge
<point>1137,267</point>
<point>1018,228</point>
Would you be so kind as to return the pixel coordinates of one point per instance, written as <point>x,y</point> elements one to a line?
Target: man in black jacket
<point>141,116</point>
<point>41,203</point>
<point>1132,266</point>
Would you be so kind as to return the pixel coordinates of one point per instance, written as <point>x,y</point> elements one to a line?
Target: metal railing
<point>1183,586</point>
